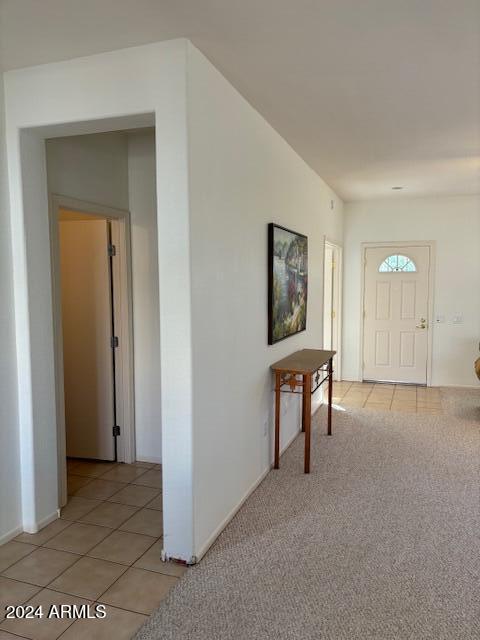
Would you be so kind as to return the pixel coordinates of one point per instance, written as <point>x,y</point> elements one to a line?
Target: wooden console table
<point>312,365</point>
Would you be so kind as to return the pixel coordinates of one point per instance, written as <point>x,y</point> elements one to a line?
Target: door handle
<point>423,324</point>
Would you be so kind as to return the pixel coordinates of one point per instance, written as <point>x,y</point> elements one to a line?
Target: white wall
<point>454,224</point>
<point>143,210</point>
<point>10,489</point>
<point>118,170</point>
<point>243,175</point>
<point>68,98</point>
<point>221,178</point>
<point>93,168</point>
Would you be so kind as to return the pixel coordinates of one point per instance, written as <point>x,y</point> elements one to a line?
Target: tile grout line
<point>127,567</point>
<point>47,586</point>
<point>100,502</point>
<point>23,601</point>
<point>100,476</point>
<point>119,564</point>
<point>71,522</point>
<point>17,635</point>
<point>78,520</point>
<point>393,399</point>
<point>36,548</point>
<point>95,602</point>
<point>131,565</point>
<point>368,396</point>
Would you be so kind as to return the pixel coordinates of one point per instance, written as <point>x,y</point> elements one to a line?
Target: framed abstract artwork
<point>287,282</point>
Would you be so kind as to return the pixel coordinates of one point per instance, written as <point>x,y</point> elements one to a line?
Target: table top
<point>304,361</point>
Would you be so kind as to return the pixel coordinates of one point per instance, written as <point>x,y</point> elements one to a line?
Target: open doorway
<point>93,334</point>
<point>89,338</point>
<point>106,319</point>
<point>160,263</point>
<point>332,302</point>
<point>103,240</point>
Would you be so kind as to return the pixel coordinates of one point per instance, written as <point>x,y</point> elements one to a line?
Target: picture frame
<point>287,282</point>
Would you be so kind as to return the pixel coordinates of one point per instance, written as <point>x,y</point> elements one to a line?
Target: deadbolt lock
<point>423,324</point>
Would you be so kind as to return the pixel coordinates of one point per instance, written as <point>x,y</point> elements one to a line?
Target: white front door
<point>87,332</point>
<point>396,322</point>
<point>328,311</point>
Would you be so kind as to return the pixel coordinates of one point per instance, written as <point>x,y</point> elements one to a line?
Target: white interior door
<point>396,322</point>
<point>87,331</point>
<point>328,298</point>
<point>332,295</point>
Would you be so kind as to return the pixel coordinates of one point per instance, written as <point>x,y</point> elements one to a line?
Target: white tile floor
<point>388,397</point>
<point>104,549</point>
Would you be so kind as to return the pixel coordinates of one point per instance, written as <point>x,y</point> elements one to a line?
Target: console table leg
<point>330,393</point>
<point>303,401</point>
<point>307,398</point>
<point>277,421</point>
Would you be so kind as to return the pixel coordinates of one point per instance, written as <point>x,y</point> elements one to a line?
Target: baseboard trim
<point>151,460</point>
<point>13,533</point>
<point>431,386</point>
<point>229,517</point>
<point>235,510</point>
<point>460,386</point>
<point>37,526</point>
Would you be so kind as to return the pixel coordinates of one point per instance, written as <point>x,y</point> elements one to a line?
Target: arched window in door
<point>397,262</point>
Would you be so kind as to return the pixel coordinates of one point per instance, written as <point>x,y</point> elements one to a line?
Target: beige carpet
<point>381,541</point>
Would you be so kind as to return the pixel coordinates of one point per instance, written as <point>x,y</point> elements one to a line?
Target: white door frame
<point>337,295</point>
<point>122,308</point>
<point>431,275</point>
